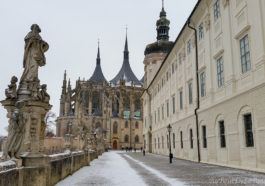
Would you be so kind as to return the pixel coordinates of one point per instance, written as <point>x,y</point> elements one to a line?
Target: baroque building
<point>210,88</point>
<point>114,107</point>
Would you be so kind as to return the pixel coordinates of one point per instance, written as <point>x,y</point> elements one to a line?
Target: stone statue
<point>11,91</point>
<point>35,90</point>
<point>44,95</point>
<point>34,56</point>
<point>16,131</point>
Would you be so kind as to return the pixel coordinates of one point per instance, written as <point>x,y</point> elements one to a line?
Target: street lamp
<point>169,129</point>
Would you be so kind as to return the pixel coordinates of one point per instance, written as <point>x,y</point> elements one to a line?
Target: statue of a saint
<point>11,91</point>
<point>34,56</point>
<point>16,133</point>
<point>44,95</point>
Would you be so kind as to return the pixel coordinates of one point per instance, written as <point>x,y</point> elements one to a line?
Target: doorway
<point>115,146</point>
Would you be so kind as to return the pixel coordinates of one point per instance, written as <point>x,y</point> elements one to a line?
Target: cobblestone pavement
<point>118,168</point>
<point>192,173</point>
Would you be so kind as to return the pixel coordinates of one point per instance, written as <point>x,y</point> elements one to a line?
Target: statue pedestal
<point>33,114</point>
<point>36,169</point>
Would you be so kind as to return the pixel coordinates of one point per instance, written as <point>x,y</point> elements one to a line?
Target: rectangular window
<point>167,142</point>
<point>158,143</point>
<point>162,142</point>
<point>204,138</point>
<point>248,130</point>
<point>155,116</point>
<point>174,144</point>
<point>188,47</point>
<point>167,109</point>
<point>181,140</point>
<point>220,72</point>
<point>190,93</point>
<point>216,10</point>
<point>158,114</point>
<point>162,112</point>
<point>173,105</point>
<point>155,143</point>
<point>222,134</point>
<point>245,54</point>
<point>191,139</point>
<point>167,76</point>
<point>180,59</point>
<point>180,100</point>
<point>173,68</point>
<point>201,33</point>
<point>162,82</point>
<point>202,78</point>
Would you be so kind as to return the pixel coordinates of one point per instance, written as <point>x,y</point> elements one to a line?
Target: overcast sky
<point>72,28</point>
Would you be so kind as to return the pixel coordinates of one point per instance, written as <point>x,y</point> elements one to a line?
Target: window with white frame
<point>222,134</point>
<point>248,130</point>
<point>202,81</point>
<point>220,72</point>
<point>162,142</point>
<point>191,139</point>
<point>181,100</point>
<point>173,105</point>
<point>201,32</point>
<point>180,59</point>
<point>188,47</point>
<point>245,54</point>
<point>155,116</point>
<point>158,113</point>
<point>216,8</point>
<point>181,139</point>
<point>167,142</point>
<point>190,93</point>
<point>162,112</point>
<point>204,137</point>
<point>174,143</point>
<point>167,109</point>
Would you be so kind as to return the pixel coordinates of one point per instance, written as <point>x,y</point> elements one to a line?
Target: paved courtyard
<point>118,168</point>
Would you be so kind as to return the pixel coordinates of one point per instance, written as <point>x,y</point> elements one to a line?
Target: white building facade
<point>211,88</point>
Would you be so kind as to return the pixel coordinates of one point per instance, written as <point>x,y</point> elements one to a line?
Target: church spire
<point>98,56</point>
<point>125,72</point>
<point>126,51</point>
<point>98,76</point>
<point>162,25</point>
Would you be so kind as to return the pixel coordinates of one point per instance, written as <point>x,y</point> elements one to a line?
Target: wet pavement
<point>117,168</point>
<point>192,173</point>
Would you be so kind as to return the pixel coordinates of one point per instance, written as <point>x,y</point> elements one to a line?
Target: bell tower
<point>156,52</point>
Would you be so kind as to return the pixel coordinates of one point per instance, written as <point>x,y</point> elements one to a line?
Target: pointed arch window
<point>136,139</point>
<point>115,128</point>
<point>126,138</point>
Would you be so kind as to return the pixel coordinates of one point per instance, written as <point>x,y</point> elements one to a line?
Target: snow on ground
<point>172,181</point>
<point>110,170</point>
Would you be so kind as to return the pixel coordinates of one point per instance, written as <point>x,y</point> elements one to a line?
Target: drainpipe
<point>198,93</point>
